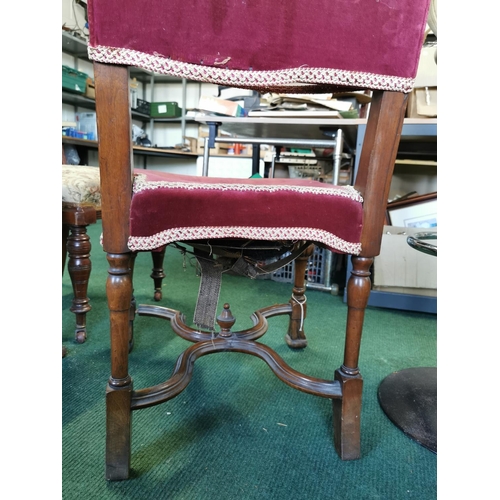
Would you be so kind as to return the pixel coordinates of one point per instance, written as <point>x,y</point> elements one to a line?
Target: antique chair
<point>81,206</point>
<point>265,46</point>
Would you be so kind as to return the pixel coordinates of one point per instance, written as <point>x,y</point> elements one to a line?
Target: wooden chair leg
<point>133,305</point>
<point>65,234</point>
<point>295,336</point>
<point>79,268</point>
<point>119,389</point>
<point>157,272</point>
<point>347,410</point>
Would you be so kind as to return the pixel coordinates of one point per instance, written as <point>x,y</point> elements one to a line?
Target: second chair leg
<point>296,337</point>
<point>157,272</point>
<point>79,267</point>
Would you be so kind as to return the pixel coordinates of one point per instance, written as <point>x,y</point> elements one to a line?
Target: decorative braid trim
<point>138,243</point>
<point>142,184</point>
<point>286,78</point>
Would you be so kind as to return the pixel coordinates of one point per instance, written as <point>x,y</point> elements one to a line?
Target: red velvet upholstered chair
<point>301,46</point>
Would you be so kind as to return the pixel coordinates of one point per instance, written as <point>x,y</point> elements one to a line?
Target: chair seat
<point>170,207</point>
<point>81,185</point>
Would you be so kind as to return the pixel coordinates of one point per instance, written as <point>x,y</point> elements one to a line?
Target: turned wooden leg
<point>65,234</point>
<point>133,305</point>
<point>347,411</point>
<point>295,336</point>
<point>119,389</point>
<point>157,272</point>
<point>79,267</point>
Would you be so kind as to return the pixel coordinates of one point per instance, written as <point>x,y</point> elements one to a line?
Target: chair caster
<point>81,335</point>
<point>158,295</point>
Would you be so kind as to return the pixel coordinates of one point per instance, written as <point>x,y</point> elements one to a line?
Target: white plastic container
<point>86,123</point>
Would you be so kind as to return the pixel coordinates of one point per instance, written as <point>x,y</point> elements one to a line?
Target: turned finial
<point>225,320</point>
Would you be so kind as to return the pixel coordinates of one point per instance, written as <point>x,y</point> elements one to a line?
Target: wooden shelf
<point>140,150</point>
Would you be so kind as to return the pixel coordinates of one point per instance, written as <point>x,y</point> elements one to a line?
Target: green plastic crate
<point>165,110</point>
<point>73,80</point>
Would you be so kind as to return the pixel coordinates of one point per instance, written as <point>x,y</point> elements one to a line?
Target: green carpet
<point>237,431</point>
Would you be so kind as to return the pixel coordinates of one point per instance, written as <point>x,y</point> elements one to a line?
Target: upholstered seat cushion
<point>171,207</point>
<point>81,185</point>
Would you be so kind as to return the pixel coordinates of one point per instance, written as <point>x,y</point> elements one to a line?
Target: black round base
<point>409,398</point>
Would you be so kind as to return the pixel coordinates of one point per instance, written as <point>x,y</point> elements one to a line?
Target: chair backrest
<point>265,43</point>
<point>268,45</point>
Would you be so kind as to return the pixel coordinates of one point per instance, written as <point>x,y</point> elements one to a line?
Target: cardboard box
<point>422,103</point>
<point>90,89</point>
<point>191,142</point>
<point>427,68</point>
<point>220,106</point>
<point>400,268</point>
<point>219,149</point>
<point>203,132</point>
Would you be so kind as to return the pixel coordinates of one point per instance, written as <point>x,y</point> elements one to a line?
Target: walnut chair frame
<point>377,158</point>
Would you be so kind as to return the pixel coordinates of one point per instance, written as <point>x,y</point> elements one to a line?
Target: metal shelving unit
<point>77,47</point>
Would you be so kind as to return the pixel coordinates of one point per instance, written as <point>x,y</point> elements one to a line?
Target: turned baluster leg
<point>133,305</point>
<point>79,267</point>
<point>119,389</point>
<point>347,411</point>
<point>296,337</point>
<point>65,234</point>
<point>157,272</point>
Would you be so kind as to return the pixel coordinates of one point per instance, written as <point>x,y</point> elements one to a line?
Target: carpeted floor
<point>237,431</point>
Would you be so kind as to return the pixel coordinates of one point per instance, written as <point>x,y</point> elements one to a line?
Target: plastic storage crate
<point>143,107</point>
<point>165,110</point>
<point>86,125</point>
<point>73,80</point>
<point>315,272</point>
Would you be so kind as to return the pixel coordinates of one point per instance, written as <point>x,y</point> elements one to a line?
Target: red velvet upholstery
<point>370,44</point>
<point>171,207</point>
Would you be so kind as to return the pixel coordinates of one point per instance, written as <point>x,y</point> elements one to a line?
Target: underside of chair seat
<point>169,208</point>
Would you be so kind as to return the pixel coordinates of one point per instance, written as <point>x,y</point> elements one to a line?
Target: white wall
<point>73,16</point>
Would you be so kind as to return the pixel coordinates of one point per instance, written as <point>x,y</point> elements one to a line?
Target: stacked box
<point>90,89</point>
<point>165,110</point>
<point>220,106</point>
<point>73,80</point>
